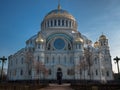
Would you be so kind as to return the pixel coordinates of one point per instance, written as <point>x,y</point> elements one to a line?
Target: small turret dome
<point>79,40</point>
<point>96,44</point>
<point>102,37</point>
<point>39,39</point>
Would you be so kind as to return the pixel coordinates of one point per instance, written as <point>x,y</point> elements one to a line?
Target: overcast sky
<point>20,19</point>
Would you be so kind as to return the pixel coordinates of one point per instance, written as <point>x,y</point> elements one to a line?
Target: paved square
<point>57,87</point>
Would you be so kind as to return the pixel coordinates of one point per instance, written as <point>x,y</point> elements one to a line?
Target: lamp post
<point>116,59</point>
<point>3,59</point>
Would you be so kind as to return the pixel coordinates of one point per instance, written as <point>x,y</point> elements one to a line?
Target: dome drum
<point>59,18</point>
<point>59,23</point>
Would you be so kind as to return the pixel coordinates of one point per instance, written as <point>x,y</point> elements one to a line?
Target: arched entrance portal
<point>59,75</point>
<point>59,70</point>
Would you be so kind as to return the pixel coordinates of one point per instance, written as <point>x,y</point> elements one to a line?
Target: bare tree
<point>82,66</point>
<point>41,69</point>
<point>88,57</point>
<point>29,60</point>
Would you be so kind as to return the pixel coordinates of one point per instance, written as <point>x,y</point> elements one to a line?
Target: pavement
<point>57,87</point>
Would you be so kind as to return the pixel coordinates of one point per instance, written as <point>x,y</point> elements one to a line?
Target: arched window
<point>21,72</point>
<point>69,47</point>
<point>51,23</point>
<point>96,72</point>
<point>62,22</point>
<point>107,73</point>
<point>38,46</point>
<point>68,72</point>
<point>58,22</point>
<point>49,47</point>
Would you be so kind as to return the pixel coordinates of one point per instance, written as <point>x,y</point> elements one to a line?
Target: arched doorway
<point>59,75</point>
<point>59,70</point>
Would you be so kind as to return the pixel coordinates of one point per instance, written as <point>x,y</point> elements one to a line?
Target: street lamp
<point>116,59</point>
<point>3,59</point>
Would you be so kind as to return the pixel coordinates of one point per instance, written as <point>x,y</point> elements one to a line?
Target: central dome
<point>59,18</point>
<point>59,13</point>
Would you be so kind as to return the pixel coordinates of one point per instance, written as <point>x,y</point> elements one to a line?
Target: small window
<point>38,46</point>
<point>107,73</point>
<point>21,72</point>
<point>49,47</point>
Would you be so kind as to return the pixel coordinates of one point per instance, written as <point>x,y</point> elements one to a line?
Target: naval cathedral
<point>59,46</point>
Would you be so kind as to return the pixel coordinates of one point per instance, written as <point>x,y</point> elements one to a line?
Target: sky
<point>21,19</point>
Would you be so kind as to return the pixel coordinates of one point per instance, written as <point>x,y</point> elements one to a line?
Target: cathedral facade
<point>59,46</point>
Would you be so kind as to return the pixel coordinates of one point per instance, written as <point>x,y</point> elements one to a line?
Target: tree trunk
<point>118,67</point>
<point>2,70</point>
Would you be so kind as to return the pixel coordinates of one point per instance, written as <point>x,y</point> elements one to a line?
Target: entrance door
<point>59,74</point>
